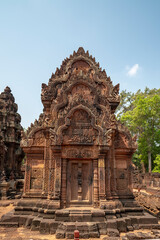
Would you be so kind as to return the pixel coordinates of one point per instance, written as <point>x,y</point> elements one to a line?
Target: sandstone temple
<point>77,153</point>
<point>78,167</point>
<point>11,154</point>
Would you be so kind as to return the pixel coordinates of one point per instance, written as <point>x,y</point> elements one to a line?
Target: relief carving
<point>108,137</point>
<point>53,136</point>
<point>79,153</point>
<point>78,123</point>
<point>80,130</point>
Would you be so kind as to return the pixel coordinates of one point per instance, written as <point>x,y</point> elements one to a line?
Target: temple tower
<point>77,153</point>
<point>11,154</point>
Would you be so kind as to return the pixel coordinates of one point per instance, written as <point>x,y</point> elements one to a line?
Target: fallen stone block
<point>142,235</point>
<point>44,227</point>
<point>121,225</point>
<point>28,222</point>
<point>132,236</point>
<point>69,235</point>
<point>60,234</point>
<point>94,234</point>
<point>53,227</point>
<point>84,235</point>
<point>35,224</point>
<point>112,232</point>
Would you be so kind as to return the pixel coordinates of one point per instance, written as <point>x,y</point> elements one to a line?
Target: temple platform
<point>91,222</point>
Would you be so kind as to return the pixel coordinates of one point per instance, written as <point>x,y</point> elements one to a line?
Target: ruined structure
<point>78,169</point>
<point>10,135</point>
<point>77,153</point>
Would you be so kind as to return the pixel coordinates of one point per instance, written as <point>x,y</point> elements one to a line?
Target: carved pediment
<point>80,130</point>
<point>80,66</point>
<point>36,139</point>
<point>79,103</point>
<point>123,138</point>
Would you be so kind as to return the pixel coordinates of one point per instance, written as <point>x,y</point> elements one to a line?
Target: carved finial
<point>7,89</point>
<point>81,51</point>
<point>44,85</point>
<point>57,71</point>
<point>115,91</point>
<point>97,64</point>
<point>109,79</point>
<point>35,122</point>
<point>87,53</point>
<point>134,138</point>
<point>104,73</point>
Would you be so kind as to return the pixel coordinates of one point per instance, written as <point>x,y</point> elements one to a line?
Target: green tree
<point>125,104</point>
<point>157,164</point>
<point>143,119</point>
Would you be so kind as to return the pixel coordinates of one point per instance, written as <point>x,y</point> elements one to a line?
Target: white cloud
<point>133,70</point>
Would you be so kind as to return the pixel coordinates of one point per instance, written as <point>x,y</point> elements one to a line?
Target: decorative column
<point>51,175</point>
<point>108,175</point>
<point>113,183</point>
<point>64,182</point>
<point>129,170</point>
<point>46,169</point>
<point>27,178</point>
<point>95,183</point>
<point>57,185</point>
<point>101,173</point>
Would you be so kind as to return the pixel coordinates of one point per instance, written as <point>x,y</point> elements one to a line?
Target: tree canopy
<point>140,112</point>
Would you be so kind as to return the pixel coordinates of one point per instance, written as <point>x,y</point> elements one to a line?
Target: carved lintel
<point>104,149</point>
<point>56,149</point>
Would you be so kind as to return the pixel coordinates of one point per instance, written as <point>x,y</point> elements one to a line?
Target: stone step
<point>80,215</point>
<point>149,226</point>
<point>9,224</point>
<point>86,230</point>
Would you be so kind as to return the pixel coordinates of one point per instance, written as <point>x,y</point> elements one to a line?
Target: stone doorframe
<point>95,194</point>
<point>100,169</point>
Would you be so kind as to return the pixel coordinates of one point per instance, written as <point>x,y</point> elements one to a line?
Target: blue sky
<point>36,35</point>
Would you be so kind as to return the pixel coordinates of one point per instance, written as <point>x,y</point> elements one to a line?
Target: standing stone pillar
<point>95,183</point>
<point>101,173</point>
<point>4,186</point>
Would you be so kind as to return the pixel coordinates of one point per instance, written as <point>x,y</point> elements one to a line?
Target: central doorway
<point>79,182</point>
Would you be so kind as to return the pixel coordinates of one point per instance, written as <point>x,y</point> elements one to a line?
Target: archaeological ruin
<point>77,153</point>
<point>78,167</point>
<point>11,154</point>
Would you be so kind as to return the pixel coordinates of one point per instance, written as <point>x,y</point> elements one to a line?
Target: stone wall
<point>145,180</point>
<point>147,191</point>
